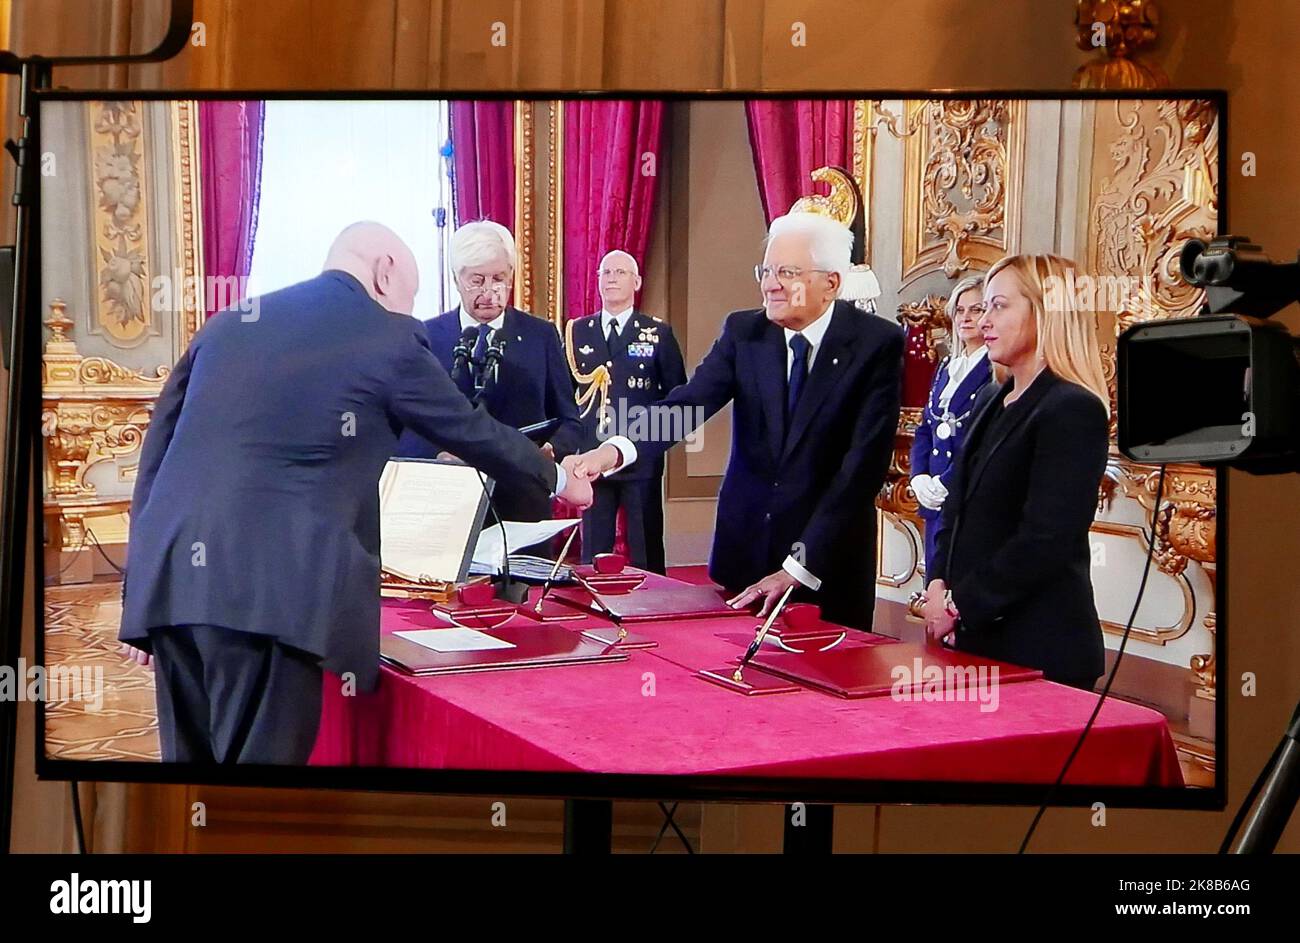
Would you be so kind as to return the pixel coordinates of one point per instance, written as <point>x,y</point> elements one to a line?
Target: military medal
<point>943,430</point>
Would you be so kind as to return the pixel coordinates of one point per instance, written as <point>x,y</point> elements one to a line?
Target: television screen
<point>817,498</point>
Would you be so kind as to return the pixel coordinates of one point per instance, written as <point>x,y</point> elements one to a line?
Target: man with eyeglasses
<point>530,382</point>
<point>815,385</point>
<point>644,363</point>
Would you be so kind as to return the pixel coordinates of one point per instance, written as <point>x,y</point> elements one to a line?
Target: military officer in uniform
<point>644,363</point>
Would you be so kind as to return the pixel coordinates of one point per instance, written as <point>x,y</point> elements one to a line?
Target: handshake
<point>582,468</point>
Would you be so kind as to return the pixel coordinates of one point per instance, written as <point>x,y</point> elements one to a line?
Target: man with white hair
<point>815,385</point>
<point>254,555</point>
<point>515,365</point>
<point>644,363</point>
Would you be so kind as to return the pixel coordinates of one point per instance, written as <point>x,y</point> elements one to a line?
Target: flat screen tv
<point>212,348</point>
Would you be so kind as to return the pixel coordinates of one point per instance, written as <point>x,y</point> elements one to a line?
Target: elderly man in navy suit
<point>644,364</point>
<point>515,365</point>
<point>254,554</point>
<point>815,385</point>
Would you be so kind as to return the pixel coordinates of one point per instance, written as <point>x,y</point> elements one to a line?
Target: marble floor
<point>81,632</point>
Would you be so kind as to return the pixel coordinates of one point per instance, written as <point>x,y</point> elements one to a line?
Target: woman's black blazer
<point>1013,542</point>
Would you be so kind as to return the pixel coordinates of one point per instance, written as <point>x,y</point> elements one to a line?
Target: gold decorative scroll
<point>961,197</point>
<point>842,203</point>
<point>119,219</point>
<point>65,372</point>
<point>1162,189</point>
<point>80,434</point>
<point>863,143</point>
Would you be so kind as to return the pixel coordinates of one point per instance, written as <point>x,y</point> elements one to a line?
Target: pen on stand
<point>762,634</point>
<point>564,552</point>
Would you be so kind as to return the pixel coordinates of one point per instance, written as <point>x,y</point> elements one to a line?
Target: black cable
<point>94,542</point>
<point>505,547</point>
<point>76,819</point>
<point>1119,656</point>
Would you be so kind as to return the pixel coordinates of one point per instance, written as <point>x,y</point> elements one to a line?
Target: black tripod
<point>1277,788</point>
<point>21,460</point>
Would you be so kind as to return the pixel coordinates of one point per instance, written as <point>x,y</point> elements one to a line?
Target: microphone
<point>461,354</point>
<point>492,361</point>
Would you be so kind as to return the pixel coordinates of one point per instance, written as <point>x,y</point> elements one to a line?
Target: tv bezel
<point>625,786</point>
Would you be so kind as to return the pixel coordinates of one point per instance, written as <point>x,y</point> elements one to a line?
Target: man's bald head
<point>378,258</point>
<point>618,279</point>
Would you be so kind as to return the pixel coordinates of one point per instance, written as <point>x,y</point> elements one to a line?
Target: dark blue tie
<point>798,372</point>
<point>480,348</point>
<point>475,369</point>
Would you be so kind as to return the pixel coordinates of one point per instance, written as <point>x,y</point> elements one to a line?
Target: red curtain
<point>230,162</point>
<point>483,161</point>
<point>612,155</point>
<point>790,139</point>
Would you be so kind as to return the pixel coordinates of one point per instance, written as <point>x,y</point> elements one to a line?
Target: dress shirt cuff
<point>626,451</point>
<point>800,572</point>
<point>561,479</point>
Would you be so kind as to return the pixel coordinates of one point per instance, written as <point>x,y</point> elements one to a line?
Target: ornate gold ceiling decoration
<point>1121,29</point>
<point>961,197</point>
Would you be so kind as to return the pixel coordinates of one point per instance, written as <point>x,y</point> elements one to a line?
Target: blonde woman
<point>1011,574</point>
<point>949,408</point>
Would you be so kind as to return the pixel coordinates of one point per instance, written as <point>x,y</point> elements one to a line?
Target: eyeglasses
<point>480,283</point>
<point>783,273</point>
<point>620,272</point>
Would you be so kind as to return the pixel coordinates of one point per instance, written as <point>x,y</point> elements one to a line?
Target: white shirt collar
<point>467,321</point>
<point>959,368</point>
<point>622,319</point>
<point>815,331</point>
<point>966,362</point>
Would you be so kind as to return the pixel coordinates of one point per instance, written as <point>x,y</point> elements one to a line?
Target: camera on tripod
<point>1236,373</point>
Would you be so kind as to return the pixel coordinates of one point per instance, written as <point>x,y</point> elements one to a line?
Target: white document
<point>427,512</point>
<point>454,640</point>
<point>490,550</point>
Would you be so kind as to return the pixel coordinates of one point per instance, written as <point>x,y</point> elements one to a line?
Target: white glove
<point>923,488</point>
<point>940,490</point>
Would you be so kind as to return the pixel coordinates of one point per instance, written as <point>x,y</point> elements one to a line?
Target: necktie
<point>480,347</point>
<point>480,353</point>
<point>612,336</point>
<point>798,372</point>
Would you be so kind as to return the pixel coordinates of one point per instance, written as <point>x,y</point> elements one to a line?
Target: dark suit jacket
<point>533,384</point>
<point>256,505</point>
<point>1013,541</point>
<point>645,364</point>
<point>808,490</point>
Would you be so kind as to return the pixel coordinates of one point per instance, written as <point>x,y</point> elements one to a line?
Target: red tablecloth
<point>604,718</point>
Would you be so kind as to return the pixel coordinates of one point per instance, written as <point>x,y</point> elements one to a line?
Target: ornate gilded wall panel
<point>119,222</point>
<point>133,195</point>
<point>961,197</point>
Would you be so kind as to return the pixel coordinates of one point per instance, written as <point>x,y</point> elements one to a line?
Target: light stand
<point>21,461</point>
